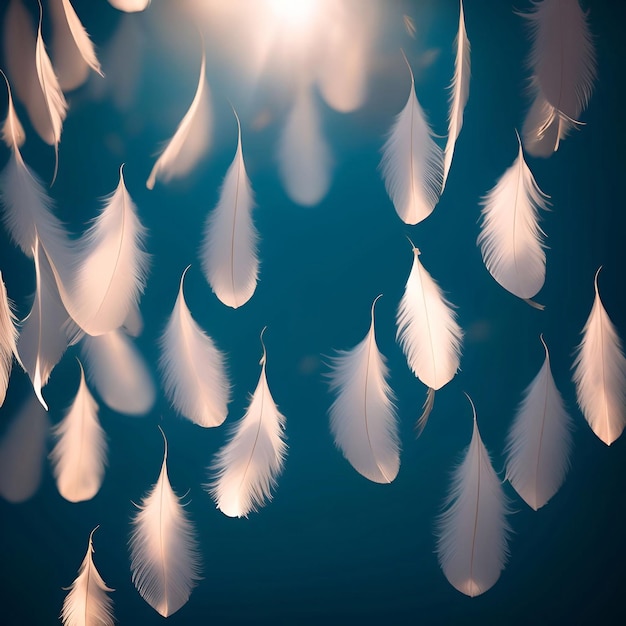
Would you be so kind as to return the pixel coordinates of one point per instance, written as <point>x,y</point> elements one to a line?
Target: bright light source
<point>295,13</point>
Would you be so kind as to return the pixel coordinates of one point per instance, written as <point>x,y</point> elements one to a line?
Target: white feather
<point>12,130</point>
<point>539,442</point>
<point>459,93</point>
<point>118,372</point>
<point>79,455</point>
<point>511,240</point>
<point>229,251</point>
<point>192,368</point>
<point>8,339</point>
<point>130,6</point>
<point>248,466</point>
<point>165,563</point>
<point>363,417</point>
<point>112,250</point>
<point>72,50</point>
<point>191,139</point>
<point>412,163</point>
<point>472,531</point>
<point>600,374</point>
<point>87,603</point>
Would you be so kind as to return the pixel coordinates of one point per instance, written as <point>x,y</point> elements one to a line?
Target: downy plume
<point>229,250</point>
<point>472,531</point>
<point>165,563</point>
<point>539,442</point>
<point>428,333</point>
<point>118,373</point>
<point>72,50</point>
<point>459,93</point>
<point>8,339</point>
<point>191,140</point>
<point>79,456</point>
<point>363,417</point>
<point>600,374</point>
<point>87,603</point>
<point>192,368</point>
<point>412,163</point>
<point>511,240</point>
<point>247,468</point>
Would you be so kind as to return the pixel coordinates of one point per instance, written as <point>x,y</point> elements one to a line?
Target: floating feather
<point>229,254</point>
<point>8,339</point>
<point>412,163</point>
<point>79,455</point>
<point>459,93</point>
<point>472,531</point>
<point>191,139</point>
<point>511,240</point>
<point>248,466</point>
<point>130,6</point>
<point>87,603</point>
<point>165,563</point>
<point>428,333</point>
<point>193,370</point>
<point>600,374</point>
<point>363,417</point>
<point>72,50</point>
<point>112,250</point>
<point>12,130</point>
<point>539,441</point>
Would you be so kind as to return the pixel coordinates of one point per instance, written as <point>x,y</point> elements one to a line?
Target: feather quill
<point>459,93</point>
<point>191,139</point>
<point>87,603</point>
<point>539,442</point>
<point>412,163</point>
<point>192,368</point>
<point>511,240</point>
<point>165,563</point>
<point>8,339</point>
<point>428,333</point>
<point>229,251</point>
<point>472,531</point>
<point>248,466</point>
<point>363,417</point>
<point>79,455</point>
<point>600,374</point>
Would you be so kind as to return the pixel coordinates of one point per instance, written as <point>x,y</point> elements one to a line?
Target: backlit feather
<point>130,6</point>
<point>8,339</point>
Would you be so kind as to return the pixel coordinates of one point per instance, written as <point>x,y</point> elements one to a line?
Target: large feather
<point>248,466</point>
<point>193,370</point>
<point>191,139</point>
<point>72,50</point>
<point>511,240</point>
<point>118,372</point>
<point>79,455</point>
<point>472,531</point>
<point>600,374</point>
<point>363,417</point>
<point>8,339</point>
<point>112,250</point>
<point>539,442</point>
<point>165,563</point>
<point>229,251</point>
<point>459,93</point>
<point>87,603</point>
<point>412,163</point>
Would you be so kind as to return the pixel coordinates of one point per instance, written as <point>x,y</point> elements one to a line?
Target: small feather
<point>130,6</point>
<point>12,130</point>
<point>8,339</point>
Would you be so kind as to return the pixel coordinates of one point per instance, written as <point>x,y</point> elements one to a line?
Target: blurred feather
<point>8,339</point>
<point>130,6</point>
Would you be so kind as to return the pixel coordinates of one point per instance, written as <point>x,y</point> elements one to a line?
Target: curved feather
<point>192,368</point>
<point>459,93</point>
<point>87,603</point>
<point>539,442</point>
<point>472,531</point>
<point>130,6</point>
<point>12,130</point>
<point>191,139</point>
<point>112,249</point>
<point>229,251</point>
<point>600,374</point>
<point>8,339</point>
<point>363,417</point>
<point>72,50</point>
<point>511,240</point>
<point>248,466</point>
<point>79,455</point>
<point>165,563</point>
<point>412,163</point>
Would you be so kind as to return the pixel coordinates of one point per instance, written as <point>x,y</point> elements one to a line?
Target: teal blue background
<point>333,547</point>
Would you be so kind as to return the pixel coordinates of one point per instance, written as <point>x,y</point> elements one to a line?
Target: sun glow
<point>296,14</point>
